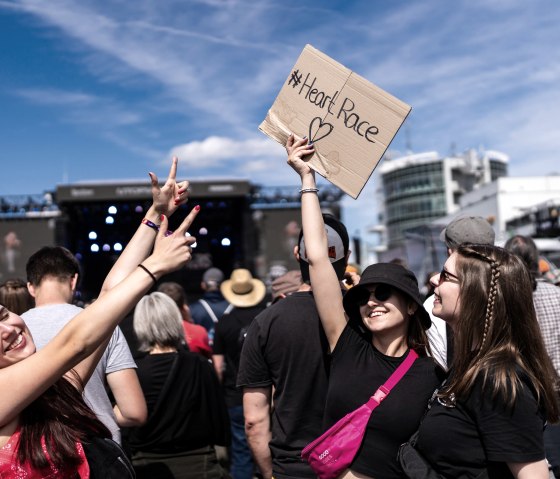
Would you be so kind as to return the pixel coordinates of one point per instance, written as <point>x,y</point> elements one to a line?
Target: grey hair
<point>158,322</point>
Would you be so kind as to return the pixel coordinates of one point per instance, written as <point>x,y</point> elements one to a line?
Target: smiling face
<point>387,310</point>
<point>446,292</point>
<point>16,341</point>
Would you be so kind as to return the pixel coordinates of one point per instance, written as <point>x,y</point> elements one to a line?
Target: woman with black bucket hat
<point>370,332</point>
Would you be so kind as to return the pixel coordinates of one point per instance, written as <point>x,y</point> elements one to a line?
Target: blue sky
<point>96,90</point>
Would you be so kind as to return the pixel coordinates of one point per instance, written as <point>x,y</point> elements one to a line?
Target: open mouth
<point>375,314</point>
<point>16,342</point>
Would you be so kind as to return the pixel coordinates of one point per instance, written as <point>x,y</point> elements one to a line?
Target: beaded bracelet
<point>154,279</point>
<point>308,190</point>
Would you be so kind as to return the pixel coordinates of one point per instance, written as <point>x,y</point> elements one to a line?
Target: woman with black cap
<point>386,320</point>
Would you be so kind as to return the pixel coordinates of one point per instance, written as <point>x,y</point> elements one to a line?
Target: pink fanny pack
<point>335,449</point>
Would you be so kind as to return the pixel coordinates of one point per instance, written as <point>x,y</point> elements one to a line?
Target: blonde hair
<point>157,322</point>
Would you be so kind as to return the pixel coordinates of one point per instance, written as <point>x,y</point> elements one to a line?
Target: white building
<point>506,199</point>
<point>417,189</point>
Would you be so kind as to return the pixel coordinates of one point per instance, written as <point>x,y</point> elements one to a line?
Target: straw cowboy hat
<point>242,290</point>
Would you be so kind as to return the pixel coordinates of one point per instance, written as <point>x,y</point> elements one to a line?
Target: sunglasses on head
<point>382,293</point>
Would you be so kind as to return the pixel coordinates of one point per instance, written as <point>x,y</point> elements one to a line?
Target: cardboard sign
<point>351,121</point>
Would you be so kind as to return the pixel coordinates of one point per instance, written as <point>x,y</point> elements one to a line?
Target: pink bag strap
<point>397,375</point>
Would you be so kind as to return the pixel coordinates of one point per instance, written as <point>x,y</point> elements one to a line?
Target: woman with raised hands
<point>370,333</point>
<point>43,419</point>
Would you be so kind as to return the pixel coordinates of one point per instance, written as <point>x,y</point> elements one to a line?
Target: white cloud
<point>197,72</point>
<point>53,96</point>
<point>216,151</point>
<point>82,108</point>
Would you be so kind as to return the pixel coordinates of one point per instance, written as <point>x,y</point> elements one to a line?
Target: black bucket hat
<point>386,273</point>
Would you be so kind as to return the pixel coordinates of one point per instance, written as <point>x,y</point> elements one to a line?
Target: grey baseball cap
<point>213,275</point>
<point>468,229</point>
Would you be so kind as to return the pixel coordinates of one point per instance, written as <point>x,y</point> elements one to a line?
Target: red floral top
<point>10,468</point>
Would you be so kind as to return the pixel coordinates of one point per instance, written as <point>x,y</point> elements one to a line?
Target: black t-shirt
<point>357,370</point>
<point>228,341</point>
<point>153,370</point>
<point>482,432</point>
<point>286,347</point>
<point>191,412</point>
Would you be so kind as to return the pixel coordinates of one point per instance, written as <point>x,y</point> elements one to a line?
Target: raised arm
<point>81,336</point>
<point>165,201</point>
<point>324,282</point>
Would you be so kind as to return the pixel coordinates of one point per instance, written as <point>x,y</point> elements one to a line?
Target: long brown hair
<point>60,417</point>
<point>497,333</point>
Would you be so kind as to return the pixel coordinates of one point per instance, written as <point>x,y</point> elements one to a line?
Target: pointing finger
<point>173,170</point>
<point>188,221</point>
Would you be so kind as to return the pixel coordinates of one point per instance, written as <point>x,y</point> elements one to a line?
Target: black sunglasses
<point>382,293</point>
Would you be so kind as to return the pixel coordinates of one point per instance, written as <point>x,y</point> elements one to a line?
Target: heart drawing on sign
<point>322,129</point>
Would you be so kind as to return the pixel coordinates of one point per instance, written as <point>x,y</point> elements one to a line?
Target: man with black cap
<point>464,229</point>
<point>286,351</point>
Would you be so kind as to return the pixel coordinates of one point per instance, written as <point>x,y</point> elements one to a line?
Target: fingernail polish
<point>162,217</point>
<point>197,207</point>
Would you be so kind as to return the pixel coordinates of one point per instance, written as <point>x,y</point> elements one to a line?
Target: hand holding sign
<point>353,120</point>
<point>298,149</point>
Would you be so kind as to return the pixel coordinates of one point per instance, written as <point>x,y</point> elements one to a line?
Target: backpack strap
<point>211,312</point>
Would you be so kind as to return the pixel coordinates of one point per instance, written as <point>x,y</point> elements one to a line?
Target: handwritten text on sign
<point>321,99</point>
<point>353,120</point>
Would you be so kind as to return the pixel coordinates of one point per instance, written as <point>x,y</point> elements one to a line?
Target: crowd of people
<point>237,383</point>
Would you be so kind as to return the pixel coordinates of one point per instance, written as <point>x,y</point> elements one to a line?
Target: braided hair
<point>497,336</point>
<point>492,292</point>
